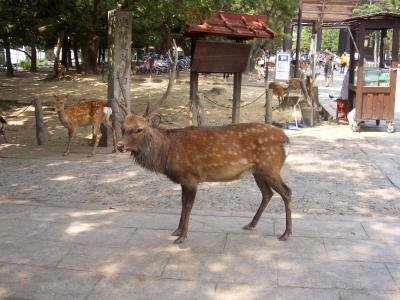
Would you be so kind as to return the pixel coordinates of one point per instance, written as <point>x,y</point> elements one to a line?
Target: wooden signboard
<point>214,57</point>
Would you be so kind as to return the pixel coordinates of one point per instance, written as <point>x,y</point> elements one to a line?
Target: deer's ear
<point>146,113</point>
<point>154,121</point>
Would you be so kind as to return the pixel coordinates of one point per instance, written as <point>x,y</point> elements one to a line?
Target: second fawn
<point>90,113</point>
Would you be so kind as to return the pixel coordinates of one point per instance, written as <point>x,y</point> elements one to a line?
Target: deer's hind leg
<point>276,183</point>
<point>266,197</point>
<point>96,136</point>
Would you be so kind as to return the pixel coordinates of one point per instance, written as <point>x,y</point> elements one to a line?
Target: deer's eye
<point>139,130</point>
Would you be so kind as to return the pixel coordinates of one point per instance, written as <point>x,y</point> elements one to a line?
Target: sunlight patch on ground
<point>62,178</point>
<point>79,214</point>
<point>77,227</point>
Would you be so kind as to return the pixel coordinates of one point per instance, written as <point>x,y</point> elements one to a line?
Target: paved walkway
<point>62,253</point>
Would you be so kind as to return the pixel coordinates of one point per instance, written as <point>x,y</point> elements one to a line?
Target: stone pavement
<point>49,252</point>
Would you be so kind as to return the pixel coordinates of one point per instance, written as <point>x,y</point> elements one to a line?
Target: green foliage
<point>330,39</point>
<point>155,23</point>
<point>25,64</point>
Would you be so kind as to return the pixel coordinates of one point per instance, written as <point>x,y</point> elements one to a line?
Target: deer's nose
<point>121,147</point>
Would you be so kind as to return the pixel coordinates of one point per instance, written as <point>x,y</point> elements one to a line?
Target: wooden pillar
<point>319,39</point>
<point>299,28</point>
<point>40,129</point>
<point>268,106</point>
<point>237,87</point>
<point>314,53</point>
<point>344,41</point>
<point>382,49</point>
<point>394,65</point>
<point>360,68</point>
<point>352,66</point>
<point>194,87</point>
<point>119,66</point>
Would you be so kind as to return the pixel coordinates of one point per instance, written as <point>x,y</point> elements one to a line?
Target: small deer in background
<point>192,155</point>
<point>3,125</point>
<point>279,91</point>
<point>62,70</point>
<point>90,113</point>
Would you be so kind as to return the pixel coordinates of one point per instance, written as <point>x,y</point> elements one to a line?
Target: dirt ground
<point>17,92</point>
<point>328,169</point>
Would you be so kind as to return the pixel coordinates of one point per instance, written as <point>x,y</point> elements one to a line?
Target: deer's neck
<point>153,151</point>
<point>62,117</point>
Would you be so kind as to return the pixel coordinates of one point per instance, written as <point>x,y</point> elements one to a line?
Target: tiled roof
<point>232,25</point>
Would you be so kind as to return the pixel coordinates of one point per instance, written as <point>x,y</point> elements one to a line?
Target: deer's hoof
<point>176,233</point>
<point>65,153</point>
<point>114,151</point>
<point>285,236</point>
<point>91,155</point>
<point>248,227</point>
<point>179,240</point>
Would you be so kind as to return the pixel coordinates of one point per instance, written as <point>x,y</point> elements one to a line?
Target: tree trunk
<point>57,56</point>
<point>165,38</point>
<point>75,49</point>
<point>64,51</point>
<point>33,56</point>
<point>10,69</point>
<point>89,54</point>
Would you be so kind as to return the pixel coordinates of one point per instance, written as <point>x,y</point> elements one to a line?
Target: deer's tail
<point>108,112</point>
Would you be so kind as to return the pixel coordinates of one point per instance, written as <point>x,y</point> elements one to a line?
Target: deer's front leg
<point>188,196</point>
<point>71,132</point>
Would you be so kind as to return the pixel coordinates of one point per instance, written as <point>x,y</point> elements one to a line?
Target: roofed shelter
<point>372,79</point>
<point>222,57</point>
<point>323,13</point>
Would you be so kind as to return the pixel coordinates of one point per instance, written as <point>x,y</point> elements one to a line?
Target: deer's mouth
<point>124,149</point>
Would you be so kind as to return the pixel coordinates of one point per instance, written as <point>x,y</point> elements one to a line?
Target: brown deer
<point>279,91</point>
<point>90,113</point>
<point>62,70</point>
<point>192,155</point>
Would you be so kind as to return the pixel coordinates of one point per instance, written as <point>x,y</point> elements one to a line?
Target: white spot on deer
<point>266,139</point>
<point>260,141</point>
<point>243,161</point>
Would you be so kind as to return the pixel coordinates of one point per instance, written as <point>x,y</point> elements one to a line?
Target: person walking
<point>328,69</point>
<point>343,62</point>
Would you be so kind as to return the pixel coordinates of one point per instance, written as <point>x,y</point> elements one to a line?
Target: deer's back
<point>86,113</point>
<point>223,153</point>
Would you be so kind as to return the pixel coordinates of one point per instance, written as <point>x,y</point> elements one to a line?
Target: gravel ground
<point>327,168</point>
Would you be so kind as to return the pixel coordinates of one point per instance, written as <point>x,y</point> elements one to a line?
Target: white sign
<point>282,66</point>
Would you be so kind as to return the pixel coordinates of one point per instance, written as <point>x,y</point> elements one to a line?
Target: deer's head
<point>134,130</point>
<point>59,102</point>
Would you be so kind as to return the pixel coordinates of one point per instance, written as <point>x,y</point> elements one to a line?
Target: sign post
<point>282,66</point>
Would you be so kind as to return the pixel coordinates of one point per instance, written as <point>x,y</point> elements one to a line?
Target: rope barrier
<point>229,106</point>
<point>12,117</point>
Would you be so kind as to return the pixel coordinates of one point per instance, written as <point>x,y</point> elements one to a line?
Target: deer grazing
<point>90,113</point>
<point>192,155</point>
<point>279,91</point>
